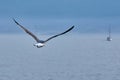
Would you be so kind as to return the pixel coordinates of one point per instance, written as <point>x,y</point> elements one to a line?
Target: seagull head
<point>39,45</point>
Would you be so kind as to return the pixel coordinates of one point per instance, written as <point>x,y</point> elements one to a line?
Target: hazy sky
<point>60,8</point>
<point>86,15</point>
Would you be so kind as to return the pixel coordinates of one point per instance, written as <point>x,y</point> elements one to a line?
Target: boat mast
<point>109,34</point>
<point>109,30</point>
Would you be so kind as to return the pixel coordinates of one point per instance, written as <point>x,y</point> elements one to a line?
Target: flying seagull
<point>41,43</point>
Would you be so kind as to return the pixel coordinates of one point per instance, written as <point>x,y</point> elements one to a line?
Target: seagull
<point>41,43</point>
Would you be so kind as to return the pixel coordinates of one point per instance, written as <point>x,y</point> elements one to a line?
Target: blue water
<point>68,57</point>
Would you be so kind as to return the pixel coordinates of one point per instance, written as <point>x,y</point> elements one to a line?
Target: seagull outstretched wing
<point>60,34</point>
<point>27,31</point>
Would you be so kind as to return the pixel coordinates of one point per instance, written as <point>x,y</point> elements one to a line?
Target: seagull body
<point>41,43</point>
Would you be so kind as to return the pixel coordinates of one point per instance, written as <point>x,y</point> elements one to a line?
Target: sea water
<point>68,57</point>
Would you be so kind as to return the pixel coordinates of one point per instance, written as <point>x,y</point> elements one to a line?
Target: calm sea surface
<point>68,57</point>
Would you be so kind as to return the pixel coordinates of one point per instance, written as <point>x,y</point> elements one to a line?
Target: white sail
<point>109,34</point>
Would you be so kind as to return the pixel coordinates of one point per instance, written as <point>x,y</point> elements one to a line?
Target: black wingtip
<point>71,27</point>
<point>15,21</point>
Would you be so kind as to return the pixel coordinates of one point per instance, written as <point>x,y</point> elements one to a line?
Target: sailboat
<point>109,35</point>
